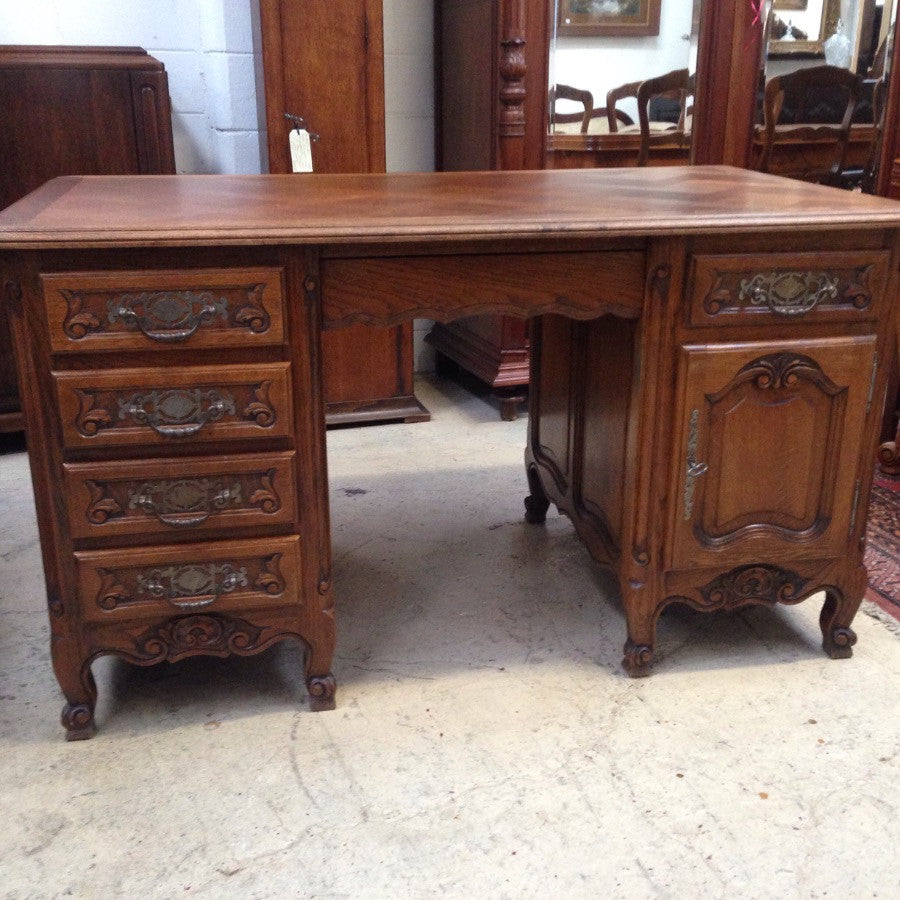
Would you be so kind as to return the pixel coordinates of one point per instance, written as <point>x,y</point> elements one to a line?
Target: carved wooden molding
<point>759,583</point>
<point>753,584</point>
<point>260,409</point>
<point>212,634</point>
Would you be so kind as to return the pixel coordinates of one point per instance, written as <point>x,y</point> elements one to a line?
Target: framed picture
<point>614,18</point>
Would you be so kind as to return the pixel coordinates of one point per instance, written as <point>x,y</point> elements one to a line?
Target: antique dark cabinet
<point>76,111</point>
<point>324,62</point>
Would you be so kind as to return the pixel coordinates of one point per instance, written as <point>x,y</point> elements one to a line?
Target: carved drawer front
<point>166,496</point>
<point>770,289</point>
<point>165,581</point>
<point>90,311</point>
<point>766,461</point>
<point>174,405</point>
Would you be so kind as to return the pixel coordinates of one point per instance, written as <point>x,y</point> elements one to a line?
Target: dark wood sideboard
<point>76,111</point>
<point>707,377</point>
<point>324,62</point>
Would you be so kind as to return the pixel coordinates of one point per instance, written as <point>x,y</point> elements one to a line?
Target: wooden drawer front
<point>820,287</point>
<point>164,496</point>
<point>174,405</point>
<point>219,577</point>
<point>89,311</point>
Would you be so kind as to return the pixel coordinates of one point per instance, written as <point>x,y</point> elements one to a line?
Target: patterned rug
<point>883,545</point>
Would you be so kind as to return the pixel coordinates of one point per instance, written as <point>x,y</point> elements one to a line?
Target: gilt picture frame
<point>608,18</point>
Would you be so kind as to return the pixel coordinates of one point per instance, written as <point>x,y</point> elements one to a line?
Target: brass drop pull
<point>177,413</point>
<point>167,316</point>
<point>193,586</point>
<point>180,518</point>
<point>789,293</point>
<point>694,469</point>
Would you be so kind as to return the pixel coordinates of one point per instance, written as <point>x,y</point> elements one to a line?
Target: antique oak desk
<point>707,386</point>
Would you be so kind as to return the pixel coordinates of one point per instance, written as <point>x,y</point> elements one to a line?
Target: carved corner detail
<point>750,584</point>
<point>212,634</point>
<point>260,409</point>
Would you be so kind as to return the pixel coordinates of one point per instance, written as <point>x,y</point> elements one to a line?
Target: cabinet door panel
<point>769,439</point>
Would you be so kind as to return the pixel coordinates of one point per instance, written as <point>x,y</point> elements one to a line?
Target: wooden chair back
<point>801,92</point>
<point>567,92</point>
<point>677,85</point>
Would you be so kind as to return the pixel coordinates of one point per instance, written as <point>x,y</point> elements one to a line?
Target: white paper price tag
<point>301,151</point>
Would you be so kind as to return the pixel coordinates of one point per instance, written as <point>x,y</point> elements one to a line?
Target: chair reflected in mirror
<point>664,107</point>
<point>807,116</point>
<point>675,91</point>
<point>592,120</point>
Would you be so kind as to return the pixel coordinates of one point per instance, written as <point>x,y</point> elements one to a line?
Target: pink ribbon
<point>757,7</point>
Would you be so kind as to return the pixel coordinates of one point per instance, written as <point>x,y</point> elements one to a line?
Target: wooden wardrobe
<point>324,62</point>
<point>75,111</point>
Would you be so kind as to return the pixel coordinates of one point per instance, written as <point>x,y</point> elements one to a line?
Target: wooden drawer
<point>174,405</point>
<point>160,581</point>
<point>96,311</point>
<point>768,289</point>
<point>163,496</point>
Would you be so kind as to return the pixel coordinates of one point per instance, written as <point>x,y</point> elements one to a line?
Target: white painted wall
<point>599,64</point>
<point>211,51</point>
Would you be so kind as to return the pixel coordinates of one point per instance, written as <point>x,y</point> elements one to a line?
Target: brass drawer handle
<point>789,293</point>
<point>144,499</point>
<point>167,316</point>
<point>177,413</point>
<point>193,586</point>
<point>694,469</point>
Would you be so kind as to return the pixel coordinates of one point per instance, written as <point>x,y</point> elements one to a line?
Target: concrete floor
<point>486,742</point>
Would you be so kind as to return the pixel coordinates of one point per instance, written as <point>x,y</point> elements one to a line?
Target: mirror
<point>601,51</point>
<point>823,90</point>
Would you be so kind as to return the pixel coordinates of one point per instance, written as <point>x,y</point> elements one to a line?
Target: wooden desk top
<point>162,210</point>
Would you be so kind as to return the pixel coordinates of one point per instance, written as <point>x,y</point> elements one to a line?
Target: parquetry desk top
<point>118,211</point>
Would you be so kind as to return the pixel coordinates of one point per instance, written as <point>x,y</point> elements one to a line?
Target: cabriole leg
<point>838,637</point>
<point>639,646</point>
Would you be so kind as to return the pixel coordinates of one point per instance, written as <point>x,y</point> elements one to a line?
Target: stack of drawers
<point>177,419</point>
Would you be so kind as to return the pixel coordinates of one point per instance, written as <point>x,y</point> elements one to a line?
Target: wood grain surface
<point>97,211</point>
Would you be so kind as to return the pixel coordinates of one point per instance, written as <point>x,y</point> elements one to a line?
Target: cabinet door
<point>767,456</point>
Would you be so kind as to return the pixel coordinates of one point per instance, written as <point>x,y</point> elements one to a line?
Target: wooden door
<point>325,63</point>
<point>765,462</point>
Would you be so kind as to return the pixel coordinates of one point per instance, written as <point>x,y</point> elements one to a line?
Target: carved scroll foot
<point>536,503</point>
<point>638,659</point>
<point>838,637</point>
<point>78,720</point>
<point>321,689</point>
